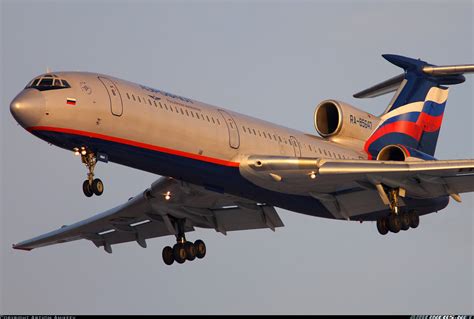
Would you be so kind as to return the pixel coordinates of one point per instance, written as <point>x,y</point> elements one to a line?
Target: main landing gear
<point>183,250</point>
<point>91,185</point>
<point>397,220</point>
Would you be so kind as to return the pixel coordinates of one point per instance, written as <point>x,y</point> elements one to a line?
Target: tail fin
<point>415,114</point>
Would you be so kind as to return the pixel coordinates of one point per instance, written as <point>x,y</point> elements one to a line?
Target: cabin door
<point>115,99</point>
<point>234,137</point>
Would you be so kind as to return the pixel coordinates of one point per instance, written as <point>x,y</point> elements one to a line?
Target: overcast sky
<point>273,60</point>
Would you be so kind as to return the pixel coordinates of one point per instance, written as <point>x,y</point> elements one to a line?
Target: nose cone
<point>28,107</point>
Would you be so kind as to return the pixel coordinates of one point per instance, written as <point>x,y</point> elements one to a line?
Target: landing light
<point>76,151</point>
<point>312,175</point>
<point>168,195</point>
<point>83,152</point>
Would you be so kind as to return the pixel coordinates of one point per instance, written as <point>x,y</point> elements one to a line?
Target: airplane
<point>227,171</point>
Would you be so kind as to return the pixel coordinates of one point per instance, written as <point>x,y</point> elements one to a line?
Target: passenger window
<point>128,96</point>
<point>243,127</point>
<point>139,99</point>
<point>149,101</point>
<point>212,120</point>
<point>208,119</point>
<point>154,102</point>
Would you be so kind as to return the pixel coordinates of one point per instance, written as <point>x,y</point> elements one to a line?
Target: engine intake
<point>393,153</point>
<point>328,118</point>
<point>338,119</point>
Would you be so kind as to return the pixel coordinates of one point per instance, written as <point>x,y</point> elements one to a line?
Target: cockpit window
<point>48,82</point>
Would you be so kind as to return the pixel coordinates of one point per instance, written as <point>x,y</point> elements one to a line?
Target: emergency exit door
<point>296,146</point>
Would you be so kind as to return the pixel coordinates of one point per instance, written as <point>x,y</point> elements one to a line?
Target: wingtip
<point>21,248</point>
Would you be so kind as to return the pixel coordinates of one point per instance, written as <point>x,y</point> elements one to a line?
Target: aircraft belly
<point>222,178</point>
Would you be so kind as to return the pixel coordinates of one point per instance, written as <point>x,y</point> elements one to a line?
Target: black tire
<point>405,221</point>
<point>200,248</point>
<point>394,224</point>
<point>97,187</point>
<point>86,188</point>
<point>179,253</point>
<point>168,257</point>
<point>382,226</point>
<point>414,219</point>
<point>190,251</point>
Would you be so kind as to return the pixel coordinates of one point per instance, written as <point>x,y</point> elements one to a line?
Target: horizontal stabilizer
<point>449,69</point>
<point>390,85</point>
<point>441,75</point>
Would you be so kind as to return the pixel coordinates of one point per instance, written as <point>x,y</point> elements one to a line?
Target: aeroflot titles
<point>165,94</point>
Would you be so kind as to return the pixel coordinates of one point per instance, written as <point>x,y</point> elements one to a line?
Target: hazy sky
<point>273,60</point>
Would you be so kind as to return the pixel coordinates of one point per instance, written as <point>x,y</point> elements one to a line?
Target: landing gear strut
<point>397,220</point>
<point>91,186</point>
<point>183,250</point>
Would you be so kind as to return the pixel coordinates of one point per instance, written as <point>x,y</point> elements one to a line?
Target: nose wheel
<point>91,186</point>
<point>97,187</point>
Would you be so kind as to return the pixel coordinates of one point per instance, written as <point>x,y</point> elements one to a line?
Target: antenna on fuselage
<point>48,70</point>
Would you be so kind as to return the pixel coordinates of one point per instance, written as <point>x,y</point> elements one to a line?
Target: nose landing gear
<point>91,185</point>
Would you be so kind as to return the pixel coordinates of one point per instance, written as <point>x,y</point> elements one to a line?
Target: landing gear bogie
<point>395,223</point>
<point>398,219</point>
<point>183,250</point>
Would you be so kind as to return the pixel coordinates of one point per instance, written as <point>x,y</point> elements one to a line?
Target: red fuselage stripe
<point>135,143</point>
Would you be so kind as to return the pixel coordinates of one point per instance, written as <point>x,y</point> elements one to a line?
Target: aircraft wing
<point>151,213</point>
<point>353,187</point>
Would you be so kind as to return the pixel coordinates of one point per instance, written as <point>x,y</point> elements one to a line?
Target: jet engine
<point>393,153</point>
<point>335,119</point>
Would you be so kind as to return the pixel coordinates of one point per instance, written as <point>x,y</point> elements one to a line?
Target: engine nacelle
<point>393,153</point>
<point>402,153</point>
<point>338,119</point>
